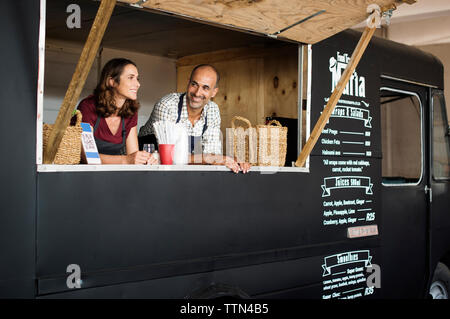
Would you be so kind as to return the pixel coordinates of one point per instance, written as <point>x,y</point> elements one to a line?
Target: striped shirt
<point>166,109</point>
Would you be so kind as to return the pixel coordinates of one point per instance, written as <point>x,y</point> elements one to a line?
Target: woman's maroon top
<point>88,110</point>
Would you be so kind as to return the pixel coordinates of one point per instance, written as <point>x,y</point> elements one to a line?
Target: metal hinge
<point>429,191</point>
<point>138,4</point>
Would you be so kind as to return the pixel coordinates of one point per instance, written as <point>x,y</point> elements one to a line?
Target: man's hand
<point>232,164</point>
<point>227,161</point>
<point>235,166</point>
<point>245,167</point>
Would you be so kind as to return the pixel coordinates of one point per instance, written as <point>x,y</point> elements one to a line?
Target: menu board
<point>347,192</point>
<point>347,161</point>
<point>348,152</point>
<point>350,275</point>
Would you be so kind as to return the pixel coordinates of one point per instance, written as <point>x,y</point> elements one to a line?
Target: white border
<point>163,168</point>
<point>421,136</point>
<point>300,78</point>
<point>40,84</point>
<point>308,99</point>
<point>300,98</point>
<point>118,168</point>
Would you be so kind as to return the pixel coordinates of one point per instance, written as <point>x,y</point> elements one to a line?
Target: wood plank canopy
<point>314,20</point>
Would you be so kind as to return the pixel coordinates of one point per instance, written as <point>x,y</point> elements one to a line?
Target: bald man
<point>201,117</point>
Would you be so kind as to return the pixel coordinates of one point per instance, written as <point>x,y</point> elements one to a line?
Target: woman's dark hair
<point>104,93</point>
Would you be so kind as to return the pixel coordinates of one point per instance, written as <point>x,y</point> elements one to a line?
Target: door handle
<point>429,191</point>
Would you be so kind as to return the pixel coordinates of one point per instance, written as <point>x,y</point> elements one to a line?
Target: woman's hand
<point>152,160</point>
<point>138,157</point>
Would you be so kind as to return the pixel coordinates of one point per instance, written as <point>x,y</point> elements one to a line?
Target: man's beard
<point>196,105</point>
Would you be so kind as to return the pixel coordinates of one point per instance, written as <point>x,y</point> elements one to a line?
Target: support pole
<point>336,95</point>
<point>79,78</point>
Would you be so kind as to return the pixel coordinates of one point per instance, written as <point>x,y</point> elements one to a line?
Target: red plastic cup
<point>166,153</point>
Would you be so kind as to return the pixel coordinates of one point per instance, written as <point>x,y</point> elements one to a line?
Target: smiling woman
<point>112,112</point>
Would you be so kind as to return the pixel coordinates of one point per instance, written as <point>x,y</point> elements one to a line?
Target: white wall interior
<point>157,76</point>
<point>61,59</point>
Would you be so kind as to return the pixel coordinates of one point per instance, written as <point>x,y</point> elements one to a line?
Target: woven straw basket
<point>242,142</point>
<point>69,151</point>
<point>272,144</point>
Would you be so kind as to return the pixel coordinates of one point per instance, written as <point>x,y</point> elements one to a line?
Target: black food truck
<point>367,216</point>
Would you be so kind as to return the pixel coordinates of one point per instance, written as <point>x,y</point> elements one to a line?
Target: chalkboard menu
<point>347,161</point>
<point>350,275</point>
<point>353,129</point>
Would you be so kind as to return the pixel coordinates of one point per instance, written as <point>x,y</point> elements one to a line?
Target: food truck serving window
<point>260,79</point>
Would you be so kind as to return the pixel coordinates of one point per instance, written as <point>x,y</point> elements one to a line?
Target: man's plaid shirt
<point>166,109</point>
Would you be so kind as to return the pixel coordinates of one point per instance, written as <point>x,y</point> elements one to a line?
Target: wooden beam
<point>335,96</point>
<point>79,78</point>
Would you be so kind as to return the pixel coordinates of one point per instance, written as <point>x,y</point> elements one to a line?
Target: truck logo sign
<point>356,86</point>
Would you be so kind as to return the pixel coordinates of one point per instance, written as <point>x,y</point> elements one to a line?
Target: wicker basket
<point>69,151</point>
<point>242,142</point>
<point>272,144</point>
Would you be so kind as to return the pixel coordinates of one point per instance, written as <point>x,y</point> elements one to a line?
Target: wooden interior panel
<point>271,16</point>
<point>247,86</point>
<point>281,85</point>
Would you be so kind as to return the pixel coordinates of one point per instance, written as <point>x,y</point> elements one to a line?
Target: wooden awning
<point>305,21</point>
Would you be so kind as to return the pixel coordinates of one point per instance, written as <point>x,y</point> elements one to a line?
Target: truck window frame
<point>439,94</point>
<point>419,181</point>
<point>102,167</point>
